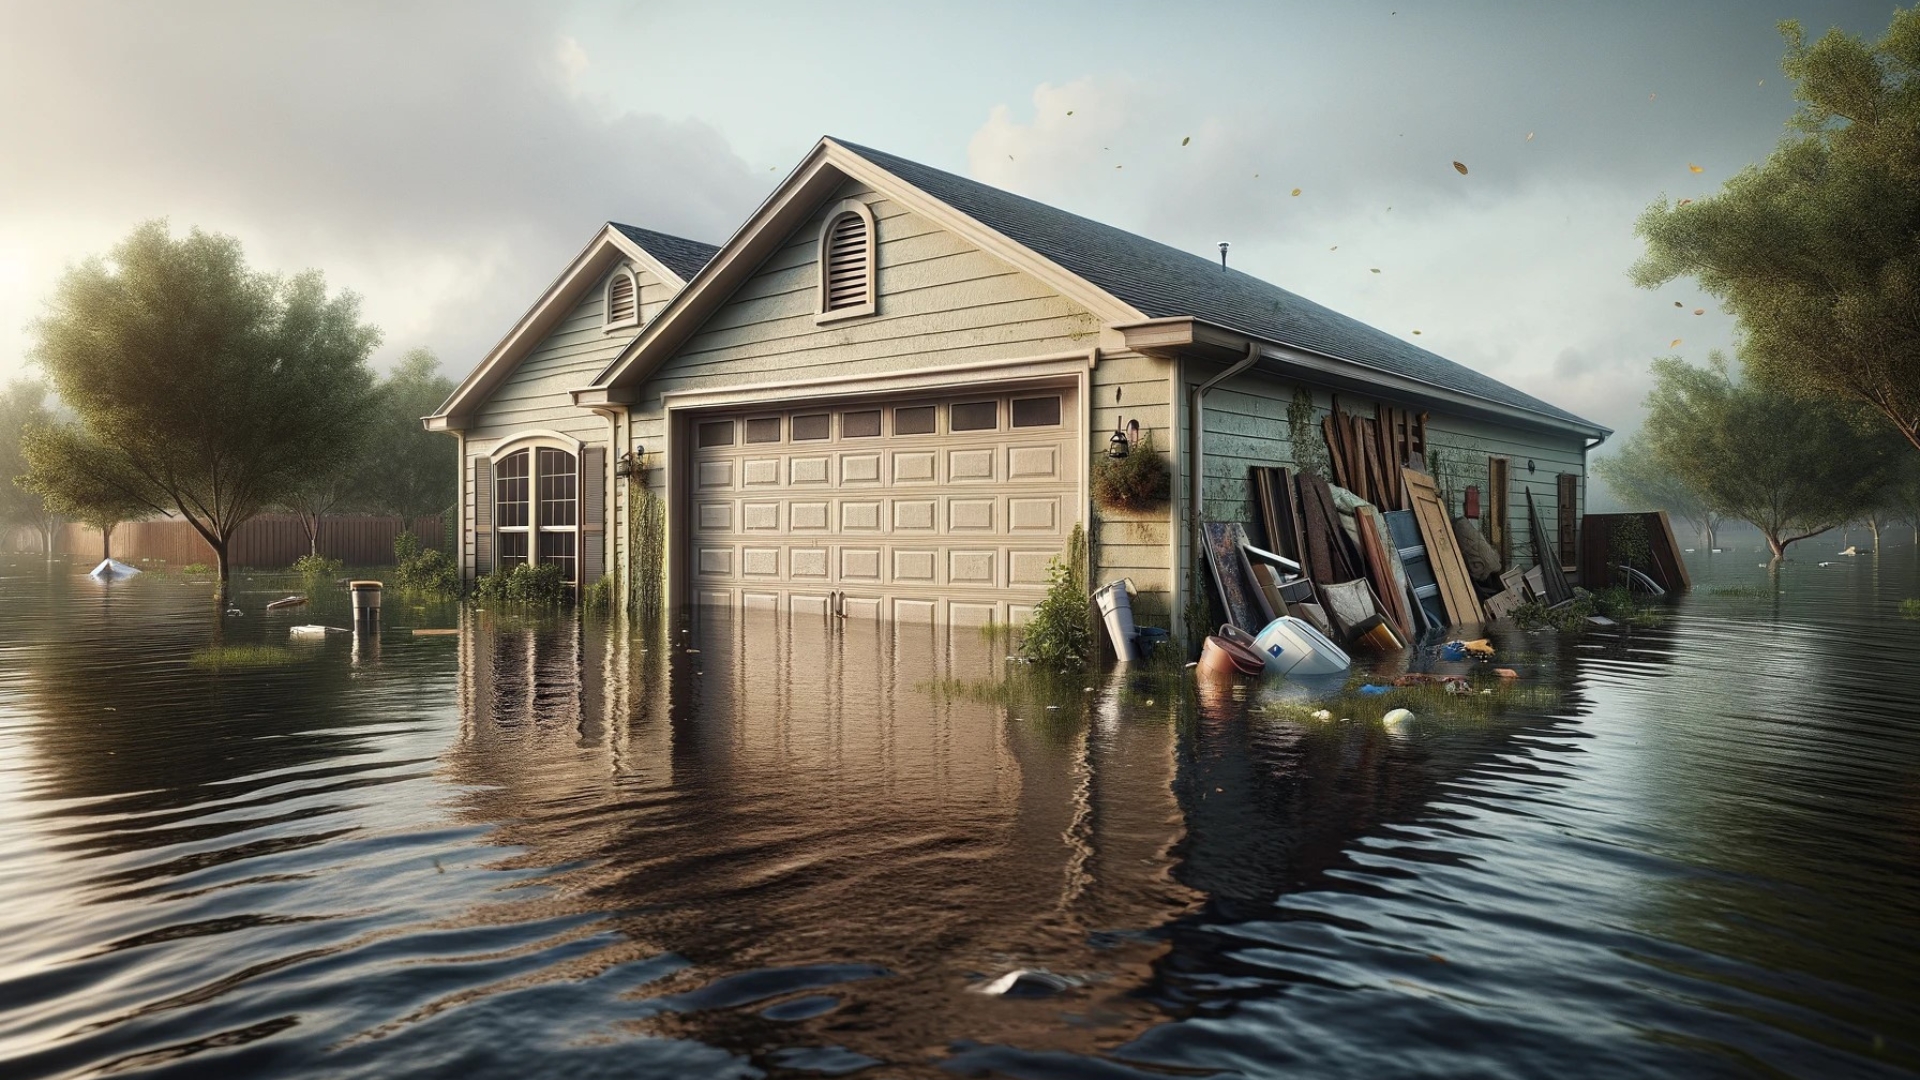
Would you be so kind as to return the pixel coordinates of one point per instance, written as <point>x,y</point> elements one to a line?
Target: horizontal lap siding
<point>537,394</point>
<point>1465,444</point>
<point>941,302</point>
<point>1133,544</point>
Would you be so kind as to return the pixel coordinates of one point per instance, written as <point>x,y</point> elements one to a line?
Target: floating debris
<point>1460,168</point>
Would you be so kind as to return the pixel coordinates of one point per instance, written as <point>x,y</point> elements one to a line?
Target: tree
<point>1639,480</point>
<point>1817,251</point>
<point>23,406</point>
<point>211,389</point>
<point>1903,495</point>
<point>411,472</point>
<point>1793,468</point>
<point>74,476</point>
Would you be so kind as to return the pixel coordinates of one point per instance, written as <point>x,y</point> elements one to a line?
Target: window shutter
<point>482,516</point>
<point>593,514</point>
<point>847,256</point>
<point>1568,515</point>
<point>620,298</point>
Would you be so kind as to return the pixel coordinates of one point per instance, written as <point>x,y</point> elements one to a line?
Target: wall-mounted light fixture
<point>629,463</point>
<point>1126,433</point>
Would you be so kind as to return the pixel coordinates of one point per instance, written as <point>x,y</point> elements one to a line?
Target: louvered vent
<point>620,299</point>
<point>847,263</point>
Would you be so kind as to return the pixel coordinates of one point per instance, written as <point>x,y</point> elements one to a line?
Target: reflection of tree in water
<point>792,812</point>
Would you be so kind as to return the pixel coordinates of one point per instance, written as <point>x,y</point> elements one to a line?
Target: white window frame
<point>821,315</point>
<point>606,300</point>
<point>533,442</point>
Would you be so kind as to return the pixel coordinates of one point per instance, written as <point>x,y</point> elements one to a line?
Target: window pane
<point>557,547</point>
<point>860,425</point>
<point>557,486</point>
<point>512,549</point>
<point>510,490</point>
<point>917,420</point>
<point>716,433</point>
<point>974,416</point>
<point>763,429</point>
<point>808,428</point>
<point>1036,412</point>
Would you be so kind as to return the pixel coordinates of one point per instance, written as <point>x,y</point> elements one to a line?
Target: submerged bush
<point>1910,609</point>
<point>1059,634</point>
<point>1616,603</point>
<point>598,597</point>
<point>311,566</point>
<point>526,585</point>
<point>428,573</point>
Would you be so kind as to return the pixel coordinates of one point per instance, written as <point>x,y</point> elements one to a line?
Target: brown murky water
<point>760,849</point>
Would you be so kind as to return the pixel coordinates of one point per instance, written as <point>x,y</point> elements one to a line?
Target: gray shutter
<point>593,514</point>
<point>482,516</point>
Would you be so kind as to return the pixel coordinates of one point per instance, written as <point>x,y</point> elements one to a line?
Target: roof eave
<point>1184,335</point>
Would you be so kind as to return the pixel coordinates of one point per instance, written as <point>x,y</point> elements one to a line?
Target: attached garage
<point>913,508</point>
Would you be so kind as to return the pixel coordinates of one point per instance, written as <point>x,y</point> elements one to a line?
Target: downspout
<point>1197,436</point>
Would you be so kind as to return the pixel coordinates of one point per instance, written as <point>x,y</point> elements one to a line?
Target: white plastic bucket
<point>1116,607</point>
<point>1292,646</point>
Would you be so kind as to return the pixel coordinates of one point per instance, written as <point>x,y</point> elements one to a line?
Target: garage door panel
<point>968,466</point>
<point>831,510</point>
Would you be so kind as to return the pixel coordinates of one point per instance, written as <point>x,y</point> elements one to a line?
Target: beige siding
<point>1128,386</point>
<point>535,396</point>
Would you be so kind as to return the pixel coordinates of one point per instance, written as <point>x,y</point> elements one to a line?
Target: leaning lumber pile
<point>1368,456</point>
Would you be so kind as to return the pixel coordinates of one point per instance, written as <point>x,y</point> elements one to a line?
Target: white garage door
<point>924,509</point>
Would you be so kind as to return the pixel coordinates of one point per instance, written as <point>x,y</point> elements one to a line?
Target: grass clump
<point>1910,609</point>
<point>1059,633</point>
<point>1425,702</point>
<point>196,569</point>
<point>527,585</point>
<point>313,566</point>
<point>241,658</point>
<point>597,598</point>
<point>428,572</point>
<point>1571,618</point>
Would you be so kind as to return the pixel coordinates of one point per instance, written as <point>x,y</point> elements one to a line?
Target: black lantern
<point>1118,444</point>
<point>628,464</point>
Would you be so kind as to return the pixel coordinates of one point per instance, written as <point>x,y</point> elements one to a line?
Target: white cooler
<point>1293,647</point>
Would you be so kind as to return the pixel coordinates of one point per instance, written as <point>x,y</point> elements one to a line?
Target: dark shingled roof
<point>1162,281</point>
<point>683,257</point>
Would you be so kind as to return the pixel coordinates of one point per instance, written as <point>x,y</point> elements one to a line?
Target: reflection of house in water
<point>787,808</point>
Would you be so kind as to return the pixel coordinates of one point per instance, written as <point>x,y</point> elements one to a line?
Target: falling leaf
<point>1677,303</point>
<point>1459,168</point>
<point>1009,157</point>
<point>1699,311</point>
<point>1335,247</point>
<point>1186,140</point>
<point>1650,97</point>
<point>1694,168</point>
<point>1683,202</point>
<point>1529,136</point>
<point>1375,269</point>
<point>1416,331</point>
<point>1119,166</point>
<point>1296,191</point>
<point>1069,112</point>
<point>1674,344</point>
<point>1762,82</point>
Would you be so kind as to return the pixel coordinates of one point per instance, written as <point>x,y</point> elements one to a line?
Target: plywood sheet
<point>1449,569</point>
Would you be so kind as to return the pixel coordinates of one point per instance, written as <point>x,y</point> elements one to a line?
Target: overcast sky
<point>445,161</point>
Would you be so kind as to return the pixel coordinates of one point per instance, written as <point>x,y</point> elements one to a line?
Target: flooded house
<point>886,394</point>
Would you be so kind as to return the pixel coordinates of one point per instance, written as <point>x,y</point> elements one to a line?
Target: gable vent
<point>847,257</point>
<point>620,299</point>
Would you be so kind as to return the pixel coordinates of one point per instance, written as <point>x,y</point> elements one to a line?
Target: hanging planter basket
<point>1139,481</point>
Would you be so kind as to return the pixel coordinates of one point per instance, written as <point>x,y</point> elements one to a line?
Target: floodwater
<point>754,849</point>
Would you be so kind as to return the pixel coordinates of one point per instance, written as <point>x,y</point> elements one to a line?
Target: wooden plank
<point>1336,458</point>
<point>1499,519</point>
<point>1449,568</point>
<point>1224,539</point>
<point>1287,501</point>
<point>1382,560</point>
<point>1553,579</point>
<point>1666,554</point>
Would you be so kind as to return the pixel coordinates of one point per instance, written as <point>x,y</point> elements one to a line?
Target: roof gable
<point>672,259</point>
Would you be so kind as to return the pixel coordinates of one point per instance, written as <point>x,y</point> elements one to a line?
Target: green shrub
<point>313,566</point>
<point>426,573</point>
<point>1059,634</point>
<point>193,569</point>
<point>526,585</point>
<point>598,597</point>
<point>1616,603</point>
<point>1910,609</point>
<point>1139,481</point>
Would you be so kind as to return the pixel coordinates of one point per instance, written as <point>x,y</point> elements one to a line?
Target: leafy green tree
<point>211,389</point>
<point>1903,495</point>
<point>1817,251</point>
<point>1637,478</point>
<point>1794,468</point>
<point>409,471</point>
<point>23,406</point>
<point>74,476</point>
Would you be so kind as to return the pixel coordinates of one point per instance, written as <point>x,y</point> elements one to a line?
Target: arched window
<point>623,300</point>
<point>846,263</point>
<point>536,509</point>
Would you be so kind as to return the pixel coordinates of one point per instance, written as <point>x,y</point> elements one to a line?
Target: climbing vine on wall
<point>1309,445</point>
<point>646,545</point>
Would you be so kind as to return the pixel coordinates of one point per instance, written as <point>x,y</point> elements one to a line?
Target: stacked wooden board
<point>1367,456</point>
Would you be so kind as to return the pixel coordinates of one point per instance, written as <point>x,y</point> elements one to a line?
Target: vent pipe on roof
<point>1223,254</point>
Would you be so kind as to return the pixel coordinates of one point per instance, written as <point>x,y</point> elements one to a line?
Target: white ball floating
<point>1396,718</point>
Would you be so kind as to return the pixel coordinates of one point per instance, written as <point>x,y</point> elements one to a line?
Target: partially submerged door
<point>927,509</point>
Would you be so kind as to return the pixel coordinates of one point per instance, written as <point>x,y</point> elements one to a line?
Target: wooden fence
<point>270,541</point>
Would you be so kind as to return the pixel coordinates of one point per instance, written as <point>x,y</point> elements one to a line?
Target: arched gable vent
<point>846,262</point>
<point>623,300</point>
